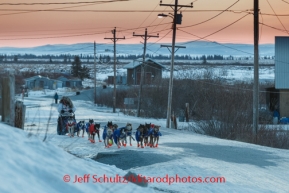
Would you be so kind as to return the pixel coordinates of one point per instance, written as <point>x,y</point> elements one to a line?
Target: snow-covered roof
<point>36,77</point>
<point>40,77</point>
<point>139,61</point>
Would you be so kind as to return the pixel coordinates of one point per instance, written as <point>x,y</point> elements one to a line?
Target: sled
<point>61,122</point>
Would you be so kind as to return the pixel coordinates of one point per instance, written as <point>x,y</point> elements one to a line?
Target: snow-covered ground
<point>220,69</point>
<point>240,73</point>
<point>29,164</point>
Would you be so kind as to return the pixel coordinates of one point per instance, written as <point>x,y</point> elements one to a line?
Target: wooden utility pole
<point>187,112</point>
<point>256,70</point>
<point>20,110</point>
<point>170,94</point>
<point>177,20</point>
<point>114,39</point>
<point>94,73</point>
<point>8,99</point>
<point>145,37</point>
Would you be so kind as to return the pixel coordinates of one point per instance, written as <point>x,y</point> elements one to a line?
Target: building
<point>40,82</point>
<point>152,71</point>
<point>281,76</point>
<point>120,80</point>
<point>72,83</point>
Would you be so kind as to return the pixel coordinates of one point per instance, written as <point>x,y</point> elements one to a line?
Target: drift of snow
<point>30,165</point>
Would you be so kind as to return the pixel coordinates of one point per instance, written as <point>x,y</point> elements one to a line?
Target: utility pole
<point>170,94</point>
<point>145,37</point>
<point>94,73</point>
<point>256,70</point>
<point>177,20</point>
<point>114,39</point>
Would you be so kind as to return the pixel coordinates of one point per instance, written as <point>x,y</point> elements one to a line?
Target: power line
<point>164,10</point>
<point>228,46</point>
<point>149,15</point>
<point>50,37</point>
<point>63,3</point>
<point>54,9</point>
<point>131,11</point>
<point>131,29</point>
<point>135,37</point>
<point>204,38</point>
<point>200,38</point>
<point>65,36</point>
<point>32,11</point>
<point>277,16</point>
<point>212,17</point>
<point>150,25</point>
<point>160,39</point>
<point>122,11</point>
<point>23,36</point>
<point>157,18</point>
<point>204,21</point>
<point>270,14</point>
<point>56,30</point>
<point>273,27</point>
<point>219,29</point>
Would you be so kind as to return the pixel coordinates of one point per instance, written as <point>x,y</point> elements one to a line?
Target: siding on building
<point>282,62</point>
<point>284,103</point>
<point>120,80</point>
<point>37,82</point>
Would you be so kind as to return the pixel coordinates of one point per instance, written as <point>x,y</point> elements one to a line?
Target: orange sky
<point>22,27</point>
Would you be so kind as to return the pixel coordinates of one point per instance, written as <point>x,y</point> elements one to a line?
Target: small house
<point>37,82</point>
<point>152,71</point>
<point>41,82</point>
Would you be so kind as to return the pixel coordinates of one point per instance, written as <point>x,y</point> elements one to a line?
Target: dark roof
<point>63,78</point>
<point>139,61</point>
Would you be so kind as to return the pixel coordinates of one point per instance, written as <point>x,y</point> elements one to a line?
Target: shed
<point>152,71</point>
<point>75,82</point>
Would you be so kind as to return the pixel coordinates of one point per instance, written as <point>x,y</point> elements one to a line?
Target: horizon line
<point>187,42</point>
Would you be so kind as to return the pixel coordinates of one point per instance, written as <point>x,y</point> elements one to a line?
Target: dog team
<point>145,135</point>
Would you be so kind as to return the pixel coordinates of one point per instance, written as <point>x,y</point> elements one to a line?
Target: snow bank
<point>30,165</point>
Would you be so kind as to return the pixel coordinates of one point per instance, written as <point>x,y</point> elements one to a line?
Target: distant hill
<point>197,48</point>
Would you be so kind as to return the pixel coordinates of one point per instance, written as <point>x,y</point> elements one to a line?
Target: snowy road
<point>245,167</point>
